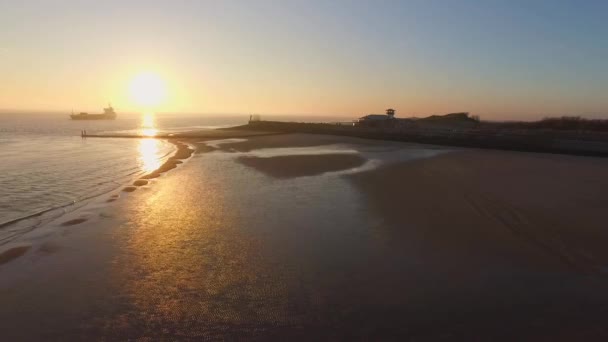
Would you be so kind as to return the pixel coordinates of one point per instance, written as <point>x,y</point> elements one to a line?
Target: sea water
<point>47,168</point>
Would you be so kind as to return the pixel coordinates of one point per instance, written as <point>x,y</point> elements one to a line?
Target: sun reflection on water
<point>148,125</point>
<point>149,158</point>
<point>149,132</point>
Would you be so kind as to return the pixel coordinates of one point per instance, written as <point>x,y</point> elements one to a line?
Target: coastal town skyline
<point>499,60</point>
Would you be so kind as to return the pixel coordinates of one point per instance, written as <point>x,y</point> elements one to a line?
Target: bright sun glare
<point>148,90</point>
<point>148,125</point>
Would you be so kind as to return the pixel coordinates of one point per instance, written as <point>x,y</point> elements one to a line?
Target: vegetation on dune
<point>575,123</point>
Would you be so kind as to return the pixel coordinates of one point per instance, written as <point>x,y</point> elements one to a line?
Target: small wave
<point>44,216</point>
<point>16,227</point>
<point>7,234</point>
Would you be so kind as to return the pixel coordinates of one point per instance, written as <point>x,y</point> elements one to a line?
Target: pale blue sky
<point>498,59</point>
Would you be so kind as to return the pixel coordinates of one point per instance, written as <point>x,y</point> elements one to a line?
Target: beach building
<point>378,120</point>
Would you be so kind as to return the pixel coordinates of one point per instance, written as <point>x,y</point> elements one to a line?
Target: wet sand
<point>552,205</point>
<point>183,152</point>
<point>74,222</point>
<point>13,253</point>
<point>466,245</point>
<point>304,165</point>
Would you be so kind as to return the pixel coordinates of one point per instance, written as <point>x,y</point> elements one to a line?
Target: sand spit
<point>302,165</point>
<point>13,253</point>
<point>183,152</point>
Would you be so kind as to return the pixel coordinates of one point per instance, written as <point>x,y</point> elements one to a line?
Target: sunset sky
<point>499,59</point>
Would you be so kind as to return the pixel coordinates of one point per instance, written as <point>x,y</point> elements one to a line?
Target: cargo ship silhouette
<point>108,114</point>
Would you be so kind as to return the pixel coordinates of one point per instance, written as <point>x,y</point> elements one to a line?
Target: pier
<point>199,134</point>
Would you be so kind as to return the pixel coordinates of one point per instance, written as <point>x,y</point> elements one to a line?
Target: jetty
<point>223,133</point>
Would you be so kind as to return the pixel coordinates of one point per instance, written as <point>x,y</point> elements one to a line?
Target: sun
<point>147,89</point>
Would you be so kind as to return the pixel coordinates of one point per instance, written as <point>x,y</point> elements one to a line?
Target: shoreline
<point>538,142</point>
<point>182,153</point>
<point>419,248</point>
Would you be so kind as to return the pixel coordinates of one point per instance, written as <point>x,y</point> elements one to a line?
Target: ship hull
<point>93,117</point>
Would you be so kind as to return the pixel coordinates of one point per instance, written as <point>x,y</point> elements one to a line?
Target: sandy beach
<point>315,237</point>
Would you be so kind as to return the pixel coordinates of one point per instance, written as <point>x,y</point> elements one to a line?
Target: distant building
<point>378,120</point>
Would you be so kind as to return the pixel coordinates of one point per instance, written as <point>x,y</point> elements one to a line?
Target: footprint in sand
<point>140,182</point>
<point>129,189</point>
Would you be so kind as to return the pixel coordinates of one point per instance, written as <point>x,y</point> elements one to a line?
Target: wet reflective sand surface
<point>221,249</point>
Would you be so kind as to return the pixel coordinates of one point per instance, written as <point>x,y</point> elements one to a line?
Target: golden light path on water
<point>149,156</point>
<point>148,125</point>
<point>149,149</point>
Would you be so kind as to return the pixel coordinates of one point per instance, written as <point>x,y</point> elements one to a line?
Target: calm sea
<point>46,168</point>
